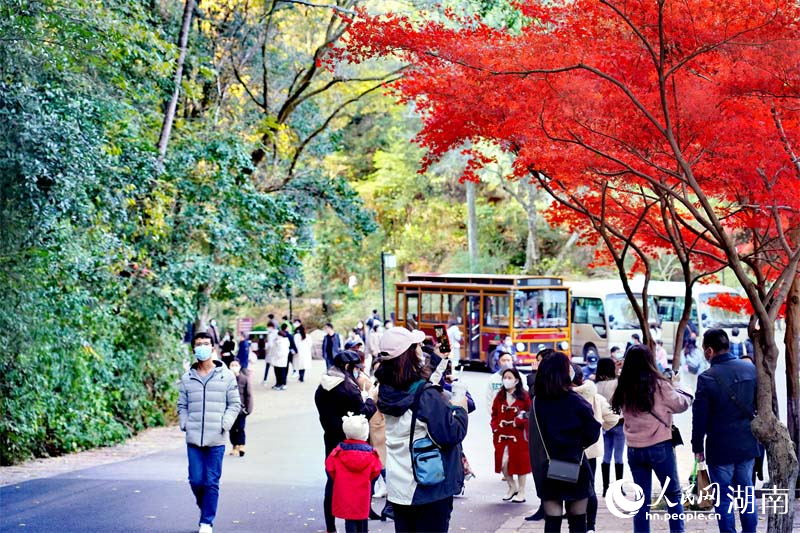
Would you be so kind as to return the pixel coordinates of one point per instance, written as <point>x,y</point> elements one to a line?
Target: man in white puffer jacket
<point>208,404</point>
<point>607,417</point>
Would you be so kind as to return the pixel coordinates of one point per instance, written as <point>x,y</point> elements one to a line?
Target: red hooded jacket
<point>352,465</point>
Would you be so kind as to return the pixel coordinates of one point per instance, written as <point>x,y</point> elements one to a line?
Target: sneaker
<point>205,528</point>
<point>275,387</point>
<point>282,387</point>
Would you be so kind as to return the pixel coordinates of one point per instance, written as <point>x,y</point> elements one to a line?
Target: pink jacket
<point>644,429</point>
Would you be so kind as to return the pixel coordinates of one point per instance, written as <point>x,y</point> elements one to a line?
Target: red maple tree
<point>666,124</point>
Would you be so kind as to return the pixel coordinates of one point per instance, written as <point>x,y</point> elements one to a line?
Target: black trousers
<point>591,506</point>
<point>356,526</point>
<point>237,431</point>
<point>281,373</point>
<point>266,371</point>
<point>431,517</point>
<point>327,505</point>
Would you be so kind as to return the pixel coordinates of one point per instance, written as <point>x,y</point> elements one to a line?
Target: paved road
<point>276,487</point>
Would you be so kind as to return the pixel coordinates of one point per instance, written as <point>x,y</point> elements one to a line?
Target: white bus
<point>603,317</point>
<point>669,297</point>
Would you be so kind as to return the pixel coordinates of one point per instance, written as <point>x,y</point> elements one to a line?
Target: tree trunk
<point>677,349</point>
<point>562,253</point>
<point>203,302</point>
<point>792,341</point>
<point>472,226</point>
<point>169,112</point>
<point>531,248</point>
<point>768,428</point>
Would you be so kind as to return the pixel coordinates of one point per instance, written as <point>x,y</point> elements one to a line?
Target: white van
<point>603,317</point>
<point>669,297</point>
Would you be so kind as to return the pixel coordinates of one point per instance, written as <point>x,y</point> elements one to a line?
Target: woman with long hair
<point>614,438</point>
<point>647,401</point>
<point>562,425</point>
<point>417,411</point>
<point>510,434</point>
<point>302,362</point>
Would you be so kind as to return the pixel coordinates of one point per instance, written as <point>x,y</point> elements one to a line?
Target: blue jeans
<point>205,469</point>
<point>730,478</point>
<point>643,462</point>
<point>613,442</point>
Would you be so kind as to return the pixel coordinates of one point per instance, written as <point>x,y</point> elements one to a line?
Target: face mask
<point>355,373</point>
<point>213,322</point>
<point>297,324</point>
<point>203,352</point>
<point>509,383</point>
<point>507,343</point>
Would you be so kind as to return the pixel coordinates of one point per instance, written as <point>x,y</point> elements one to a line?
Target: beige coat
<point>602,413</point>
<point>377,424</point>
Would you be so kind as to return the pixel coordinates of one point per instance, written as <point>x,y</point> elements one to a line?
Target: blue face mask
<point>203,352</point>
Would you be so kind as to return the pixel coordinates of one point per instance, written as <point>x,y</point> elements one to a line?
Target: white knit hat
<point>355,427</point>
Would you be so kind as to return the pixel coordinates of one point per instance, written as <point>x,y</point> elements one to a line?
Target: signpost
<point>387,261</point>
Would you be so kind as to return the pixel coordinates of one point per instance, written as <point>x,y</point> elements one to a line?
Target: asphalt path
<point>277,486</point>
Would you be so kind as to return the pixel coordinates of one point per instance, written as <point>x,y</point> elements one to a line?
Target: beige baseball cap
<point>397,340</point>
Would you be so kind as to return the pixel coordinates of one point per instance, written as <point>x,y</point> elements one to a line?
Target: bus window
<point>588,311</point>
<point>495,309</point>
<point>453,306</point>
<point>543,308</point>
<point>431,307</point>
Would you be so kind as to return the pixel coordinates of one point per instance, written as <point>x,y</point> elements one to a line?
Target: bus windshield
<point>717,317</point>
<point>621,315</point>
<point>540,308</point>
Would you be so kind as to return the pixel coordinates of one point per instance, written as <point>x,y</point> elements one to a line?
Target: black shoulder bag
<point>558,470</point>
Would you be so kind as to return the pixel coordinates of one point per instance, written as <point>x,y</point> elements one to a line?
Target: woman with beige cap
<point>422,429</point>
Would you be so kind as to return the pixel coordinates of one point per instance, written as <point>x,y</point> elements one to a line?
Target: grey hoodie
<point>208,405</point>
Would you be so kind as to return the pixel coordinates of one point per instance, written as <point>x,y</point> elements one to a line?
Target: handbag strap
<point>659,419</point>
<point>541,436</point>
<point>414,408</point>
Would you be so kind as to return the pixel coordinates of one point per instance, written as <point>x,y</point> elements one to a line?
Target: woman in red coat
<point>510,434</point>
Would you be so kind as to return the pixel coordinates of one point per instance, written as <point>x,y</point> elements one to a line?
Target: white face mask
<point>507,342</point>
<point>509,383</point>
<point>356,373</point>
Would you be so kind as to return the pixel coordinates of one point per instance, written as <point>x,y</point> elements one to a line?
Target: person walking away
<point>208,404</point>
<point>590,370</point>
<point>303,343</point>
<point>287,327</point>
<point>455,337</point>
<point>213,332</point>
<point>608,419</point>
<point>647,401</point>
<point>352,466</point>
<point>614,438</point>
<point>418,416</point>
<point>510,431</point>
<point>737,345</point>
<point>495,384</point>
<point>270,346</point>
<point>694,363</point>
<point>331,344</point>
<point>226,348</point>
<point>337,395</point>
<point>280,358</point>
<point>723,408</point>
<point>243,352</point>
<point>562,426</point>
<point>246,397</point>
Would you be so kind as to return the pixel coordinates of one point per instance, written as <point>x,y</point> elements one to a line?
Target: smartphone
<point>440,332</point>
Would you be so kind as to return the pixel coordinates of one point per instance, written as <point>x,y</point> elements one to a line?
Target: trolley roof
<point>499,280</point>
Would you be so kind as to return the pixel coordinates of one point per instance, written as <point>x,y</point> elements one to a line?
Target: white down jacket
<point>602,413</point>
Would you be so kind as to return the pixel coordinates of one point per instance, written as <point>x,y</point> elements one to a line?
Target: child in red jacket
<point>353,465</point>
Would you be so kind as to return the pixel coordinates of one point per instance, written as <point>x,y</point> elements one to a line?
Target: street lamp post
<point>387,261</point>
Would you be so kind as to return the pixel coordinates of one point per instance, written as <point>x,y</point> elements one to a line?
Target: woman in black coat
<point>562,424</point>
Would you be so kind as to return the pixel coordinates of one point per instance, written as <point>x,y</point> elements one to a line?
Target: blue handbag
<point>426,456</point>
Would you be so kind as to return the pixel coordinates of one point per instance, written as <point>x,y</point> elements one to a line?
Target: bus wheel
<point>589,347</point>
